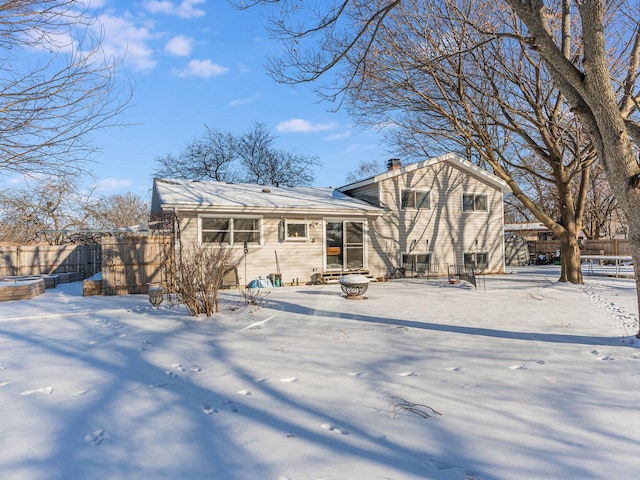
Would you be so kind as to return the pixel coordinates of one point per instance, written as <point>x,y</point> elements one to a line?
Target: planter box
<point>91,287</point>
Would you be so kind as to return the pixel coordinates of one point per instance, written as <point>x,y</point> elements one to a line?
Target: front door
<point>344,245</point>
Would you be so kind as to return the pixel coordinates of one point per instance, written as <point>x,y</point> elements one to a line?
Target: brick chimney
<point>393,164</point>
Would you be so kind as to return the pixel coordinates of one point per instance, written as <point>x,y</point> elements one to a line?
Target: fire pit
<point>354,286</point>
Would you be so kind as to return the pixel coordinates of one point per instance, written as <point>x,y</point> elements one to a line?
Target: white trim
<point>294,221</point>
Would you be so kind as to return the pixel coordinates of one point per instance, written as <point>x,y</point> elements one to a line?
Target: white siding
<point>445,230</point>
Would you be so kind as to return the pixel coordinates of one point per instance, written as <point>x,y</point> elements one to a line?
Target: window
<point>416,262</point>
<point>474,203</point>
<point>479,261</point>
<point>230,231</point>
<point>296,230</point>
<point>418,199</point>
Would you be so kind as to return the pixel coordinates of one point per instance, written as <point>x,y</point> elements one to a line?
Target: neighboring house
<point>418,218</point>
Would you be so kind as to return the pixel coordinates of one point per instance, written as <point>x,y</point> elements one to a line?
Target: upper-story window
<point>416,199</point>
<point>296,230</point>
<point>474,202</point>
<point>229,230</point>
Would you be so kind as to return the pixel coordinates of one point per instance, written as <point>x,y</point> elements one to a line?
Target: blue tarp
<point>260,283</point>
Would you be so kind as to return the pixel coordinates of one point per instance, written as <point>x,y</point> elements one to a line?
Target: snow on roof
<point>234,196</point>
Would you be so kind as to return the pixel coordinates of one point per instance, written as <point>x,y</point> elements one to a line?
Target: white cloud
<point>299,125</point>
<point>244,101</point>
<point>110,184</point>
<point>123,39</point>
<point>183,9</point>
<point>203,69</point>
<point>180,46</point>
<point>339,136</point>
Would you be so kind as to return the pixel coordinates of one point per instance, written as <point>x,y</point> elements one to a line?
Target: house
<point>415,219</point>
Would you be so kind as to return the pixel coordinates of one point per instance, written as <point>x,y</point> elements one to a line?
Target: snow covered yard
<point>526,379</point>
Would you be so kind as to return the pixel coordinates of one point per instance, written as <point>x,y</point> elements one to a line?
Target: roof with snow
<point>202,195</point>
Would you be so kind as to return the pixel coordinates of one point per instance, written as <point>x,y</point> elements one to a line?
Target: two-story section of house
<point>439,212</point>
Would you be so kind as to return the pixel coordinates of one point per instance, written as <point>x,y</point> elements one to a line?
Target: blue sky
<point>197,62</point>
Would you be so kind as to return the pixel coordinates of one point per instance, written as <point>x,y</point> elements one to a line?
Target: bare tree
<point>365,169</point>
<point>263,164</point>
<point>118,211</point>
<point>590,49</point>
<point>250,157</point>
<point>42,212</point>
<point>209,157</point>
<point>56,87</point>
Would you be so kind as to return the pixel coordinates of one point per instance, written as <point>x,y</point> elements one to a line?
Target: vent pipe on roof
<point>394,164</point>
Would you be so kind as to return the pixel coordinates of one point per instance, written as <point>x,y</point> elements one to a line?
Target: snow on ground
<point>524,378</point>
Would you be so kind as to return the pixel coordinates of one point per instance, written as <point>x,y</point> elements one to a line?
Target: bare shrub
<point>199,277</point>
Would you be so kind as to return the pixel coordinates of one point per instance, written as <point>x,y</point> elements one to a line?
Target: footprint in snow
<point>455,369</point>
<point>408,374</point>
<point>208,409</point>
<point>333,428</point>
<point>170,374</point>
<point>178,367</point>
<point>244,392</point>
<point>47,390</point>
<point>606,357</point>
<point>195,369</point>
<point>541,362</point>
<point>518,367</point>
<point>229,405</point>
<point>96,437</point>
<point>357,374</point>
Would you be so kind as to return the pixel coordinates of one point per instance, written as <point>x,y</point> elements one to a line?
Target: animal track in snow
<point>333,428</point>
<point>47,390</point>
<point>244,392</point>
<point>289,380</point>
<point>408,374</point>
<point>178,367</point>
<point>357,374</point>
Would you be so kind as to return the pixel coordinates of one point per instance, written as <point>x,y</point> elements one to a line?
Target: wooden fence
<point>48,260</point>
<point>589,247</point>
<point>130,264</point>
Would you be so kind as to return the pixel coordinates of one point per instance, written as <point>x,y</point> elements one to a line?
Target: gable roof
<point>452,158</point>
<point>247,197</point>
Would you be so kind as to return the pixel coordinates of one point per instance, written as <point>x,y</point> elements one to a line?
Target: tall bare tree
<point>56,86</point>
<point>249,157</point>
<point>589,48</point>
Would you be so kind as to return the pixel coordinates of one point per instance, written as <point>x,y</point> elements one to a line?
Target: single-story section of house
<point>414,219</point>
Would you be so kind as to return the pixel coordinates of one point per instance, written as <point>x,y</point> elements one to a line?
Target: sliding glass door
<point>344,245</point>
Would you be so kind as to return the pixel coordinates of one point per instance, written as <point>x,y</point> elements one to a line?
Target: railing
<point>458,273</point>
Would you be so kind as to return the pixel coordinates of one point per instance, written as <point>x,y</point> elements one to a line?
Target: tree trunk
<point>571,270</point>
